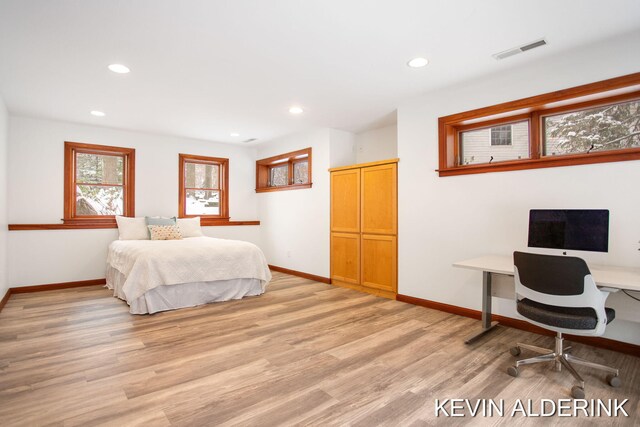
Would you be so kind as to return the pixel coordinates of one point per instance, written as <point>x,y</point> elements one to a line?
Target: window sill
<point>283,188</point>
<point>24,227</point>
<point>545,162</point>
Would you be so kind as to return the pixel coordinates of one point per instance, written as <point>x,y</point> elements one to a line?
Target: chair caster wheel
<point>614,380</point>
<point>577,392</point>
<point>513,371</point>
<point>515,351</point>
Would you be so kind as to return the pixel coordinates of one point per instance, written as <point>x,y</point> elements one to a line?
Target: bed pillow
<point>159,220</point>
<point>190,227</point>
<point>132,228</point>
<point>164,232</point>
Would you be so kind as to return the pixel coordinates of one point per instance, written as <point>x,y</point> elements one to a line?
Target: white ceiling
<point>204,69</point>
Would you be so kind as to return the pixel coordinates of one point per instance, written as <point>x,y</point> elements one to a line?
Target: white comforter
<point>147,264</point>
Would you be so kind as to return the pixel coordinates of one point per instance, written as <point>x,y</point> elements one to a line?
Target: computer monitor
<point>569,229</point>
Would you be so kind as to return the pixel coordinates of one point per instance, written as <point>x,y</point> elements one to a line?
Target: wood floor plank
<point>304,353</point>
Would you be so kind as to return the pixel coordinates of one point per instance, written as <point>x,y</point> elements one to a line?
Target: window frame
<point>264,166</point>
<point>223,164</point>
<point>534,109</point>
<point>128,183</point>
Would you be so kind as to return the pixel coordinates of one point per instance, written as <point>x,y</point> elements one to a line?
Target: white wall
<point>342,148</point>
<point>377,144</point>
<point>36,195</point>
<point>295,223</point>
<point>4,162</point>
<point>442,220</point>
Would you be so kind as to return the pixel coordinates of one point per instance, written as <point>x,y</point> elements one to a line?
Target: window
<point>494,144</point>
<point>609,127</point>
<point>279,175</point>
<point>203,188</point>
<point>98,183</point>
<point>501,135</point>
<point>594,123</point>
<point>287,171</point>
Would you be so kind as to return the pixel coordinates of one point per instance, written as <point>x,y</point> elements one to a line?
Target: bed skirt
<point>171,297</point>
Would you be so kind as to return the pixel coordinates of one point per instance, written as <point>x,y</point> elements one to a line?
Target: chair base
<point>561,358</point>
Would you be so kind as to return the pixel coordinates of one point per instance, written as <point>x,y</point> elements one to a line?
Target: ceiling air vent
<point>519,49</point>
<point>249,140</point>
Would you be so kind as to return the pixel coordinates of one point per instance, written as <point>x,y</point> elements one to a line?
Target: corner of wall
<point>294,224</point>
<point>4,175</point>
<point>377,144</point>
<point>342,148</point>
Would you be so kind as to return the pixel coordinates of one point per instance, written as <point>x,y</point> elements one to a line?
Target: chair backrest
<point>549,274</point>
<point>561,281</point>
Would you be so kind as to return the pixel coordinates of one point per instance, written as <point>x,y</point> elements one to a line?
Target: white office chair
<point>559,293</point>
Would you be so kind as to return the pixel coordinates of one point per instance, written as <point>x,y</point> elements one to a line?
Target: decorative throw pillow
<point>164,232</point>
<point>132,228</point>
<point>190,227</point>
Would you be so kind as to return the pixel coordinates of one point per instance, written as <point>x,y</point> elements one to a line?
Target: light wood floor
<point>305,353</point>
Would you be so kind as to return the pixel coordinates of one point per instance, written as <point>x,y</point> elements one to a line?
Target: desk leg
<point>487,324</point>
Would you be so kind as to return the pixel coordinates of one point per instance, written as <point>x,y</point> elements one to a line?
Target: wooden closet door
<point>379,199</point>
<point>379,262</point>
<point>345,201</point>
<point>345,257</point>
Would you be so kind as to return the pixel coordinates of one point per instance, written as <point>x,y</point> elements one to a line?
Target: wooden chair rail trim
<point>226,223</point>
<point>523,325</point>
<point>320,279</point>
<point>204,223</point>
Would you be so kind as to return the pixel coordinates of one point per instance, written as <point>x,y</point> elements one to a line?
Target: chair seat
<point>582,318</point>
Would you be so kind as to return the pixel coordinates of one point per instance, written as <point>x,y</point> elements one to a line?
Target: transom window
<point>593,123</point>
<point>284,172</point>
<point>98,183</point>
<point>203,184</point>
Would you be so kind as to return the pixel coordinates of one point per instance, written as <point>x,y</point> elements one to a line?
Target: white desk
<point>608,278</point>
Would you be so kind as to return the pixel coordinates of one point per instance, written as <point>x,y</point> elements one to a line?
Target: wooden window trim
<point>205,220</point>
<point>534,109</point>
<point>264,166</point>
<point>70,218</point>
<point>31,227</point>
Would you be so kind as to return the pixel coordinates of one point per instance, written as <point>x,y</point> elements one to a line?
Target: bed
<point>159,275</point>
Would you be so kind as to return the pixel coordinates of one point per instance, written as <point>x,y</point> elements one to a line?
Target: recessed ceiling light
<point>119,68</point>
<point>97,113</point>
<point>418,62</point>
<point>234,134</point>
<point>296,110</point>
